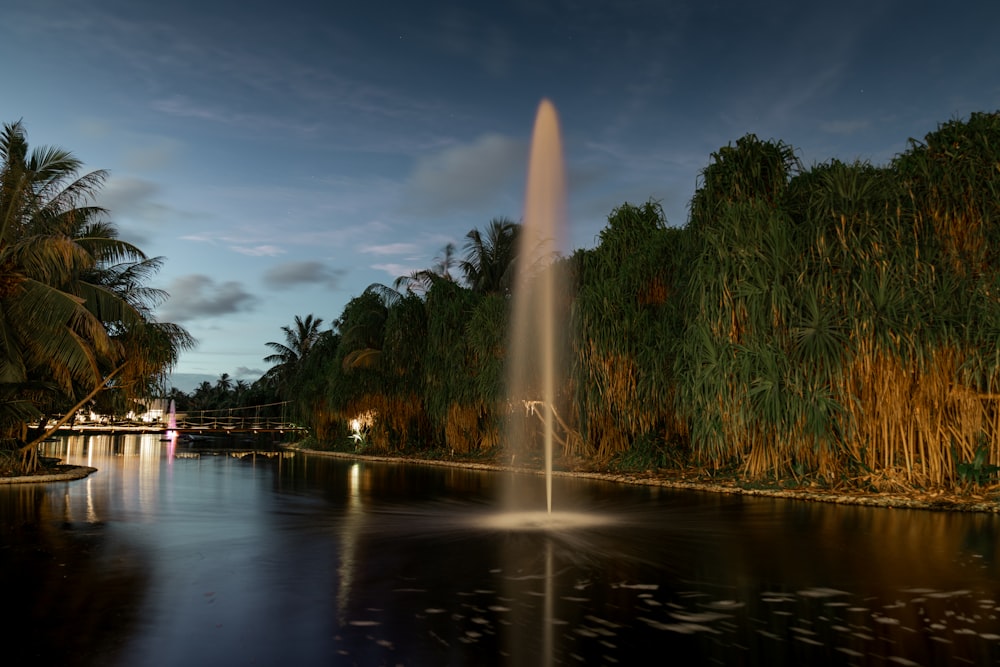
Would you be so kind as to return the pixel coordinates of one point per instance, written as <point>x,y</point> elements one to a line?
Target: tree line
<point>839,322</point>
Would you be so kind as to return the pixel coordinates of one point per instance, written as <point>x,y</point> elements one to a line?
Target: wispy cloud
<point>196,295</point>
<point>259,250</point>
<point>184,107</point>
<point>390,249</point>
<point>136,207</point>
<point>243,242</point>
<point>129,195</point>
<point>293,274</point>
<point>395,270</point>
<point>466,175</point>
<point>222,112</point>
<point>242,372</point>
<point>845,127</point>
<point>152,153</point>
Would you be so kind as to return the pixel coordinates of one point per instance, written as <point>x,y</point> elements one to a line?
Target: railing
<point>233,423</point>
<point>227,420</point>
<point>247,418</point>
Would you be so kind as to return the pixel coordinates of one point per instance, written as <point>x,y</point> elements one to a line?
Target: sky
<point>282,156</point>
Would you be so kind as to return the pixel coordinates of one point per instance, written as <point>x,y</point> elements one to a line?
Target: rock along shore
<point>936,501</point>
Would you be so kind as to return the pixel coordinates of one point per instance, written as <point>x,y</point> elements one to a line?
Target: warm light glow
<point>360,424</point>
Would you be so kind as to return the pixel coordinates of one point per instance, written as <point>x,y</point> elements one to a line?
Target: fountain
<point>535,360</point>
<point>171,432</point>
<point>172,420</point>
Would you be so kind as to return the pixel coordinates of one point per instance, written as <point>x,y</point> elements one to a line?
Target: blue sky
<point>284,156</point>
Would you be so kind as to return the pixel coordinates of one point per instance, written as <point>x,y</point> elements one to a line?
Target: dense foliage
<point>840,321</point>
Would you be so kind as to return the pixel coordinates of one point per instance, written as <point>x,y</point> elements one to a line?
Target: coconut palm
<point>74,314</point>
<point>224,383</point>
<point>421,281</point>
<point>43,326</point>
<point>489,258</point>
<point>287,356</point>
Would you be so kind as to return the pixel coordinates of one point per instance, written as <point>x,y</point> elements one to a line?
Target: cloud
<point>466,176</point>
<point>131,204</point>
<point>391,249</point>
<point>237,241</point>
<point>845,127</point>
<point>154,153</point>
<point>224,113</point>
<point>395,270</point>
<point>197,295</point>
<point>290,274</point>
<point>202,237</point>
<point>242,372</point>
<point>184,107</point>
<point>259,250</point>
<point>129,196</point>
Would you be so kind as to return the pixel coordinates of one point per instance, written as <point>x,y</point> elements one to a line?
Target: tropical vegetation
<point>838,323</point>
<point>76,314</point>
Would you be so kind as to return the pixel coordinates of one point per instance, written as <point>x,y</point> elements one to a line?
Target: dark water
<point>306,560</point>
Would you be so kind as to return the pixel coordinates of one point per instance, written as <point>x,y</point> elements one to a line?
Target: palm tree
<point>489,259</point>
<point>240,389</point>
<point>38,319</point>
<point>288,356</point>
<point>74,314</point>
<point>224,383</point>
<point>420,282</point>
<point>203,397</point>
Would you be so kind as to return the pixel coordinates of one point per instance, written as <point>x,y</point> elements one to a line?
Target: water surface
<point>249,559</point>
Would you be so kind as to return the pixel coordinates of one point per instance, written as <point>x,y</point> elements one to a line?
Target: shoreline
<point>57,473</point>
<point>929,501</point>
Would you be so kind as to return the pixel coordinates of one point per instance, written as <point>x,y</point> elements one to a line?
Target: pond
<point>244,558</point>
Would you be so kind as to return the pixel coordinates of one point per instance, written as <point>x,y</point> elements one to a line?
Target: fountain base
<point>542,520</point>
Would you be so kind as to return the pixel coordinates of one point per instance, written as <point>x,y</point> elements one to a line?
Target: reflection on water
<point>245,558</point>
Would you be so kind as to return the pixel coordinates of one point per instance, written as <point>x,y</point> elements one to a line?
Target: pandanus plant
<point>624,322</point>
<point>848,324</point>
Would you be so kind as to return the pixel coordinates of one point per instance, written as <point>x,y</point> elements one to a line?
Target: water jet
<point>534,359</point>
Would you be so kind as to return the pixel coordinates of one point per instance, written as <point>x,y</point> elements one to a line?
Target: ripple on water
<point>540,520</point>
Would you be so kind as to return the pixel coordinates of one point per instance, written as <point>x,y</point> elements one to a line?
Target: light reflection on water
<point>308,560</point>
